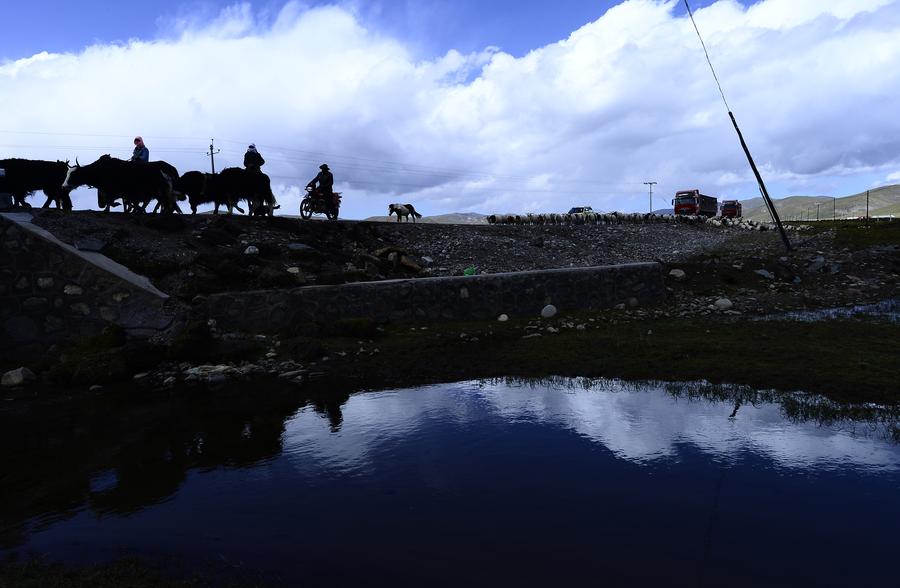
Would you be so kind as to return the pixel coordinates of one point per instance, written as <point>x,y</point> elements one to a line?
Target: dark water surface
<point>476,483</point>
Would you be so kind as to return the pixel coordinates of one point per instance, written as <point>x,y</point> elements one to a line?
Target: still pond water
<point>476,483</point>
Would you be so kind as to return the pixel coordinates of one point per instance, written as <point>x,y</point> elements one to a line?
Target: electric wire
<point>706,52</point>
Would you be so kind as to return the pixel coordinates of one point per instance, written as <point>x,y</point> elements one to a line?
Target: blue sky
<point>432,26</point>
<point>585,102</point>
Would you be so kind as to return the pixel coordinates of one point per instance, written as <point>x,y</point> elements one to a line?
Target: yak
<point>106,200</point>
<point>135,182</point>
<point>201,188</point>
<point>236,184</point>
<point>23,177</point>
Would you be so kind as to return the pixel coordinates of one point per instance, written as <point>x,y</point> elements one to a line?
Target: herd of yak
<point>137,184</point>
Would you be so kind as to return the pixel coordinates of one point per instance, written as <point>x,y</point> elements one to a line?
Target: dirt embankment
<point>190,255</point>
<point>718,280</point>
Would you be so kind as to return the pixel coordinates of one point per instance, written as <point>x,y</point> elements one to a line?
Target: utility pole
<point>867,208</point>
<point>651,184</point>
<point>212,155</point>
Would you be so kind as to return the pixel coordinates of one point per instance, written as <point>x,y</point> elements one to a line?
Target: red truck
<point>692,202</point>
<point>731,209</point>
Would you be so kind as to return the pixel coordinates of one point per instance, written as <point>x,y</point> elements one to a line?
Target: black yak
<point>201,188</point>
<point>23,177</point>
<point>238,184</point>
<point>135,182</point>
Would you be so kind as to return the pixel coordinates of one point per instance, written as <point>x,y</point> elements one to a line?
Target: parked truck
<point>731,209</point>
<point>693,203</point>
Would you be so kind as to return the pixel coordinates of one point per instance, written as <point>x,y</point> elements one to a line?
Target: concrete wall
<point>51,292</point>
<point>432,299</point>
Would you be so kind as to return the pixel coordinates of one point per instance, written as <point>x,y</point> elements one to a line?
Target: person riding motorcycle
<point>325,181</point>
<point>140,153</point>
<point>253,161</point>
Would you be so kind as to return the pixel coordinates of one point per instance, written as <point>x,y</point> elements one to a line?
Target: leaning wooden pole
<point>762,185</point>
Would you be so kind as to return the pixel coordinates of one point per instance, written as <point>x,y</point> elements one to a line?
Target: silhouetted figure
<point>737,407</point>
<point>253,161</point>
<point>141,153</point>
<point>324,180</point>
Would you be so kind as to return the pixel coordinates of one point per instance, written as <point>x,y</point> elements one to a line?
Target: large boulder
<point>18,377</point>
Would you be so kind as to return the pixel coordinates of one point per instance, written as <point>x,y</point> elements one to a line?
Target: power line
<point>357,162</point>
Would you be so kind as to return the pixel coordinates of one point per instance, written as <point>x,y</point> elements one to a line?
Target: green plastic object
<point>470,271</point>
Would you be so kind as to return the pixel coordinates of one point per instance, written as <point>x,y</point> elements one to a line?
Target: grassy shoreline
<point>846,361</point>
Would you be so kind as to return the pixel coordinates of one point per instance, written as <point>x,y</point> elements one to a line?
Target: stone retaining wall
<point>521,294</point>
<point>51,292</point>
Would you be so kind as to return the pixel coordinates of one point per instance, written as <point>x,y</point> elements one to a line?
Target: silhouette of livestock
<point>201,188</point>
<point>23,177</point>
<point>137,183</point>
<point>235,184</point>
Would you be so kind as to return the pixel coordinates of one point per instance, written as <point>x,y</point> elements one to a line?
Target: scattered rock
<point>73,290</point>
<point>18,377</point>
<point>677,275</point>
<point>765,273</point>
<point>724,304</point>
<point>503,318</point>
<point>96,388</point>
<point>548,311</point>
<point>251,250</point>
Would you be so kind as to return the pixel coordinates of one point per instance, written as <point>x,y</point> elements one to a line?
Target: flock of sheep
<point>618,218</point>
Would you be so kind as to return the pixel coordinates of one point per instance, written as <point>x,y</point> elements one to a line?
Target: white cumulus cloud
<point>623,99</point>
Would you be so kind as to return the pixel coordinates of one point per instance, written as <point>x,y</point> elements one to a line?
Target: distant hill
<point>453,218</point>
<point>664,211</point>
<point>883,201</point>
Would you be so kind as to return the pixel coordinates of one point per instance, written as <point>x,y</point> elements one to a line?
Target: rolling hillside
<point>883,201</point>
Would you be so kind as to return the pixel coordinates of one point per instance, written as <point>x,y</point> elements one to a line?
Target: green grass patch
<point>844,360</point>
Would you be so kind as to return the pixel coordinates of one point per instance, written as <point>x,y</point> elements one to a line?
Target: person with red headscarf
<point>141,153</point>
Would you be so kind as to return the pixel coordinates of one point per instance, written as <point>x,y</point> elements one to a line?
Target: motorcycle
<point>316,203</point>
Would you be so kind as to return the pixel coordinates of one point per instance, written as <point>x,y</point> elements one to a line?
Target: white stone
<point>251,250</point>
<point>18,377</point>
<point>724,304</point>
<point>73,290</point>
<point>677,274</point>
<point>503,318</point>
<point>293,270</point>
<point>548,311</point>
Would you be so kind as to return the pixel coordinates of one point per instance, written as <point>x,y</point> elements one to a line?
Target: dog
<point>403,210</point>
